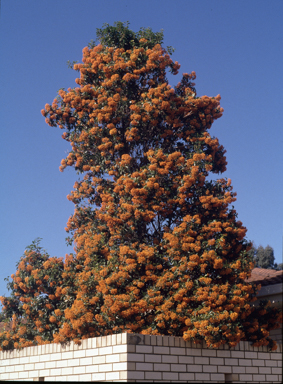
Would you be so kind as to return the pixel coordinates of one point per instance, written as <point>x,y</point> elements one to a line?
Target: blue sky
<point>236,49</point>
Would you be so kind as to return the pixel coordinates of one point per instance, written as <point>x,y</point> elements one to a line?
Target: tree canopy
<point>158,248</point>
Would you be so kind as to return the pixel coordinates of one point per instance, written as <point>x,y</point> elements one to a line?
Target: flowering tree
<point>158,250</point>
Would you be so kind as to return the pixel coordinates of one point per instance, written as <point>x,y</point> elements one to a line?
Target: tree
<point>264,257</point>
<point>158,249</point>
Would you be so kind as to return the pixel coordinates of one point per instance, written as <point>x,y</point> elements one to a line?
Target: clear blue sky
<point>236,49</point>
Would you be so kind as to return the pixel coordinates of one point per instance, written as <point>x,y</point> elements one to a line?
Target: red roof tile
<point>266,276</point>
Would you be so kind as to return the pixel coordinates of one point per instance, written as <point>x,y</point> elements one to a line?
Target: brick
<point>49,364</point>
<point>223,353</point>
<point>67,355</point>
<point>119,348</point>
<point>166,376</point>
<point>34,359</point>
<point>105,351</point>
<point>216,361</point>
<point>258,363</point>
<point>251,370</point>
<point>238,354</point>
<point>144,366</point>
<point>120,366</point>
<point>45,357</point>
<point>55,372</point>
<point>209,368</point>
<point>123,375</point>
<point>44,373</point>
<point>246,377</point>
<point>153,375</point>
<point>105,367</point>
<point>209,352</point>
<point>272,378</point>
<point>183,359</point>
<point>265,370</point>
<point>245,362</point>
<point>201,360</point>
<point>178,367</point>
<point>67,371</point>
<point>138,375</point>
<point>264,355</point>
<point>193,352</point>
<point>194,368</point>
<point>161,367</point>
<point>112,376</point>
<point>161,350</point>
<point>177,351</point>
<point>91,368</point>
<point>28,367</point>
<point>98,376</point>
<point>61,363</point>
<point>56,356</point>
<point>276,356</point>
<point>136,357</point>
<point>98,360</point>
<point>202,376</point>
<point>152,358</point>
<point>91,352</point>
<point>79,353</point>
<point>73,378</point>
<point>215,377</point>
<point>86,361</point>
<point>187,376</point>
<point>85,377</point>
<point>251,355</point>
<point>73,362</point>
<point>12,376</point>
<point>36,366</point>
<point>24,360</point>
<point>276,371</point>
<point>225,369</point>
<point>231,361</point>
<point>271,363</point>
<point>259,378</point>
<point>113,358</point>
<point>144,349</point>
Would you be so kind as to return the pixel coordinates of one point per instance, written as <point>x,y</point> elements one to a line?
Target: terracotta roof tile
<point>266,276</point>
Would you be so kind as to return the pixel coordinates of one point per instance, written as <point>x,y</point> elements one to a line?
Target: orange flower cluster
<point>157,248</point>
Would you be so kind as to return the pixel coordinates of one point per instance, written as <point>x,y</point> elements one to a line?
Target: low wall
<point>132,357</point>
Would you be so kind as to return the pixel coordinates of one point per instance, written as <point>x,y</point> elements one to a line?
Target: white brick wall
<point>128,357</point>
